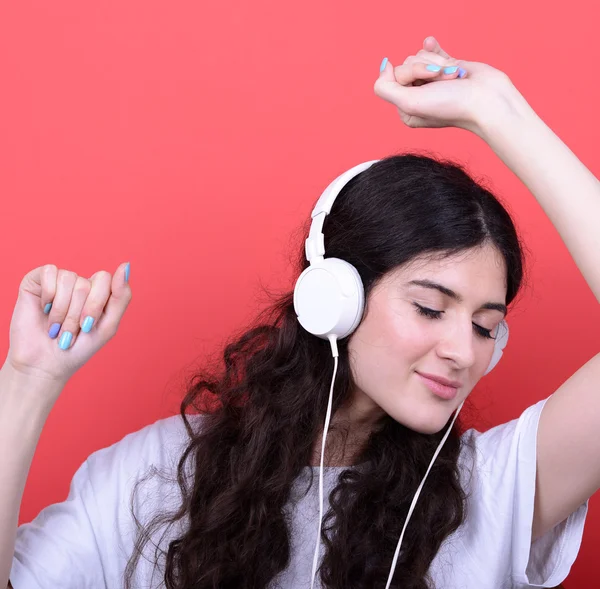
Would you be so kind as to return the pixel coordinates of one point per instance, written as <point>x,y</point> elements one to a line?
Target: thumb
<point>387,86</point>
<point>386,71</point>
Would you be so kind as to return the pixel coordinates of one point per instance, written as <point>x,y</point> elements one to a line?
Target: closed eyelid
<point>443,306</point>
<point>450,294</point>
<point>434,314</point>
<point>442,311</point>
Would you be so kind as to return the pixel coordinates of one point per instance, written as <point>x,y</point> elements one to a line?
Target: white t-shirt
<point>84,542</point>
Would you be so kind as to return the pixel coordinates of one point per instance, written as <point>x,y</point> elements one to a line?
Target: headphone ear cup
<point>499,345</point>
<point>329,298</point>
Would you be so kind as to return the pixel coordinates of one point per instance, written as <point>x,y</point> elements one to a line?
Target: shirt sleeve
<point>504,502</point>
<point>85,541</point>
<point>59,548</point>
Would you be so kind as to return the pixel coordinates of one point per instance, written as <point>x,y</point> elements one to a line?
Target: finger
<point>47,291</point>
<point>432,57</point>
<point>62,286</point>
<point>411,72</point>
<point>70,326</point>
<point>116,306</point>
<point>96,300</point>
<point>441,61</point>
<point>393,84</point>
<point>428,58</point>
<point>431,44</point>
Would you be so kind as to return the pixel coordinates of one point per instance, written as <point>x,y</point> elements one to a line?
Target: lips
<point>442,380</point>
<point>438,388</point>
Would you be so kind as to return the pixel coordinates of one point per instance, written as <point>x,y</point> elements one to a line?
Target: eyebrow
<point>453,295</point>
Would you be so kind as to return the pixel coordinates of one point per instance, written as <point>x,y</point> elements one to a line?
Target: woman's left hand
<point>436,99</point>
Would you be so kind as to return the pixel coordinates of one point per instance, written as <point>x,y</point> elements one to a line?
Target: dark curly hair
<point>264,410</point>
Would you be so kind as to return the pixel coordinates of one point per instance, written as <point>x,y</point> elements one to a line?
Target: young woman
<point>225,495</point>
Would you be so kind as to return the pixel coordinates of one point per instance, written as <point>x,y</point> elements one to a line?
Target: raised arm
<point>480,98</point>
<point>568,470</point>
<point>24,407</point>
<point>39,364</point>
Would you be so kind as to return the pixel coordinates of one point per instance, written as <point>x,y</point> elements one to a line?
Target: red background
<point>192,139</point>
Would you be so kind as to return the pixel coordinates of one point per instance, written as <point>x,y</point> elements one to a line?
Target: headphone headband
<point>315,244</point>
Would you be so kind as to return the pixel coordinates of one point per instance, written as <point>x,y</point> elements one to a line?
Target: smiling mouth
<point>437,388</point>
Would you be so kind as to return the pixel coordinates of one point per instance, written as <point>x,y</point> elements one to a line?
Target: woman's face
<point>395,342</point>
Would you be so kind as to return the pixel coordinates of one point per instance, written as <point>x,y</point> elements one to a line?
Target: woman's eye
<point>433,314</point>
<point>487,333</point>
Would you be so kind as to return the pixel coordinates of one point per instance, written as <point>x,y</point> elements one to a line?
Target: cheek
<point>482,362</point>
<point>386,346</point>
<point>410,336</point>
<point>418,336</point>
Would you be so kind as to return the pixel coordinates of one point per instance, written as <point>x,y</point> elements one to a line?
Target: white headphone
<point>329,300</point>
<point>329,296</point>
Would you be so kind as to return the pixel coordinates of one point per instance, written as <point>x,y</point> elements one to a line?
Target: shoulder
<point>83,539</point>
<point>498,474</point>
<point>503,442</point>
<point>156,447</point>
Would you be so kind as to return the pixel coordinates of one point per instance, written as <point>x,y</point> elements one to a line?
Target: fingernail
<point>383,64</point>
<point>462,72</point>
<point>47,308</point>
<point>87,324</point>
<point>54,330</point>
<point>433,68</point>
<point>450,69</point>
<point>127,268</point>
<point>65,340</point>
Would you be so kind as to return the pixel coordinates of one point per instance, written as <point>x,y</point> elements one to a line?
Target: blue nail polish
<point>383,64</point>
<point>450,70</point>
<point>54,330</point>
<point>462,72</point>
<point>433,68</point>
<point>87,324</point>
<point>47,308</point>
<point>65,340</point>
<point>127,268</point>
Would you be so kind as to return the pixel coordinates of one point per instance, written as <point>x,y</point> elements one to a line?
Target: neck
<point>348,435</point>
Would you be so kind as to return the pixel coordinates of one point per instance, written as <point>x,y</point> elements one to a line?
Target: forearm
<point>565,189</point>
<point>23,412</point>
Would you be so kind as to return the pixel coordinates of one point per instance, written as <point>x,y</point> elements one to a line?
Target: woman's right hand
<point>37,338</point>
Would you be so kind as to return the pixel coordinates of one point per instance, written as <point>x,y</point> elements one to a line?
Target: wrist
<point>507,108</point>
<point>26,396</point>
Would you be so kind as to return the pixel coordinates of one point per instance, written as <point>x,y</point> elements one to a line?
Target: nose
<point>457,344</point>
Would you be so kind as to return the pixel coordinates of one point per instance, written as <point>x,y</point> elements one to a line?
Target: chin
<point>428,419</point>
<point>428,428</point>
<point>431,429</point>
